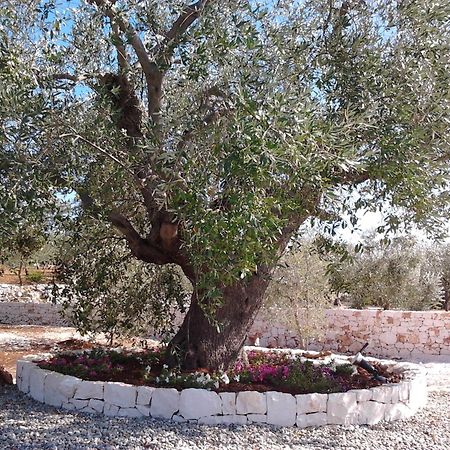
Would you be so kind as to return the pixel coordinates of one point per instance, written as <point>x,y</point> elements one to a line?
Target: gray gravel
<point>26,424</point>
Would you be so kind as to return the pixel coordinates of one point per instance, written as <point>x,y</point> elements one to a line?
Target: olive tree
<point>403,274</point>
<point>206,134</point>
<point>300,293</point>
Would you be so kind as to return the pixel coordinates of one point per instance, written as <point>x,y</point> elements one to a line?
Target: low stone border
<point>364,406</point>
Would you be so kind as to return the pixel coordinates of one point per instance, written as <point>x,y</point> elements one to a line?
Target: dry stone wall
<point>416,335</point>
<point>35,293</point>
<point>17,313</point>
<point>29,305</point>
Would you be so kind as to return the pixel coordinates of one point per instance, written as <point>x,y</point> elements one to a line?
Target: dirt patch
<point>18,341</point>
<point>7,276</point>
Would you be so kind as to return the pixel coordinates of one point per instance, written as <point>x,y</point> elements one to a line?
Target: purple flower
<point>327,372</point>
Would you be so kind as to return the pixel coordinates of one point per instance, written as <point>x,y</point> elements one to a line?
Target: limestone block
<point>27,367</point>
<point>89,389</point>
<point>165,403</point>
<point>395,393</point>
<point>143,409</point>
<point>19,366</point>
<point>96,405</point>
<point>129,412</point>
<point>281,409</point>
<point>388,338</point>
<point>228,402</point>
<point>363,395</point>
<point>237,419</point>
<point>68,406</point>
<point>311,403</point>
<point>79,404</point>
<point>418,394</point>
<point>120,394</point>
<point>251,402</point>
<point>311,420</point>
<point>196,403</point>
<point>257,418</point>
<point>144,395</point>
<point>68,386</point>
<point>210,420</point>
<point>52,394</point>
<point>110,410</point>
<point>382,394</point>
<point>371,412</point>
<point>88,410</point>
<point>342,408</point>
<point>37,379</point>
<point>397,411</point>
<point>175,418</point>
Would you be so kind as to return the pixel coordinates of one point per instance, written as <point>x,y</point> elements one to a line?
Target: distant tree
<point>299,293</point>
<point>21,246</point>
<point>400,275</point>
<point>206,134</point>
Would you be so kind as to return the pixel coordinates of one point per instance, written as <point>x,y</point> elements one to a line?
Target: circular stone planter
<point>364,406</point>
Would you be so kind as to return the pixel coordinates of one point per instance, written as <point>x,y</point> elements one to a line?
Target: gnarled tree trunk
<point>200,344</point>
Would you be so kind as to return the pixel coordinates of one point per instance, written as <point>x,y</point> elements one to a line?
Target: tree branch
<point>99,149</point>
<point>124,226</point>
<point>188,16</point>
<point>152,74</point>
<point>353,177</point>
<point>122,59</point>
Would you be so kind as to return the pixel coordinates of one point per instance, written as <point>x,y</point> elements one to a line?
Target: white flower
<point>166,379</point>
<point>237,378</point>
<point>216,384</point>
<point>224,378</point>
<point>165,366</point>
<point>148,369</point>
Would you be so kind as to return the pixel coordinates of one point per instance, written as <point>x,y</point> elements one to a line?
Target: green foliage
<point>300,293</point>
<point>105,290</point>
<point>35,277</point>
<point>304,378</point>
<point>401,275</point>
<point>344,369</point>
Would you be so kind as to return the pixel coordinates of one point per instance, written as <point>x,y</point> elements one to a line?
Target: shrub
<point>35,277</point>
<point>299,293</point>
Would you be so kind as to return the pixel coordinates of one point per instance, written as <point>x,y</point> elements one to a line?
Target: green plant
<point>35,277</point>
<point>344,369</point>
<point>401,275</point>
<point>299,293</point>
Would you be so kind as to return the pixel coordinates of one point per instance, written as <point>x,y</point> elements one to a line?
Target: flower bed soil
<point>263,372</point>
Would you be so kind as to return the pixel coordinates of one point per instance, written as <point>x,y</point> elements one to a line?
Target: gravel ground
<point>26,424</point>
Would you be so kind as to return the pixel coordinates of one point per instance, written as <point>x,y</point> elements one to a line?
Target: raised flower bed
<point>272,388</point>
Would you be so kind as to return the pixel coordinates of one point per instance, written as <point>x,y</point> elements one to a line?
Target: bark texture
<point>200,344</point>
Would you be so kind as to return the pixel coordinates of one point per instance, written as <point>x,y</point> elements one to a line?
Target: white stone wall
<point>364,406</point>
<point>35,293</point>
<point>17,313</point>
<point>417,335</point>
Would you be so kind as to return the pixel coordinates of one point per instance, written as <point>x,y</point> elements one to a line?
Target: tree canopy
<point>206,134</point>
